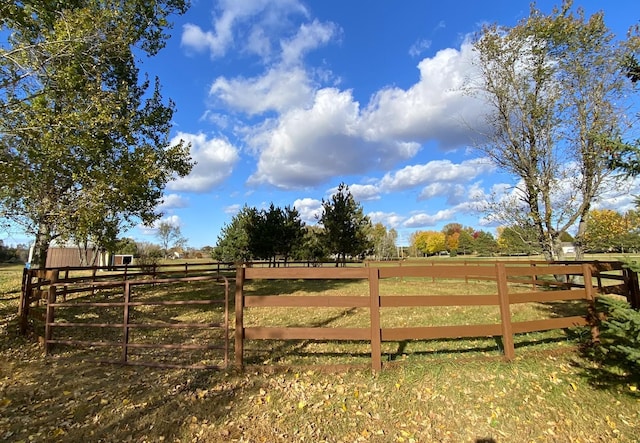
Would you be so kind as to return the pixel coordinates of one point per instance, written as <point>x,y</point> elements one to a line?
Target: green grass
<point>439,390</point>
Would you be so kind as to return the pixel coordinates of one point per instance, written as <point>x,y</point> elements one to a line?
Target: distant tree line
<point>605,230</point>
<point>454,239</point>
<point>10,254</point>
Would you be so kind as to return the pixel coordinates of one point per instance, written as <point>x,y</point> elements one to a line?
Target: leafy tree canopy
<point>84,145</point>
<point>518,240</point>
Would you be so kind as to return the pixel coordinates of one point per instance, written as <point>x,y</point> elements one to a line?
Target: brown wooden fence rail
<point>612,276</point>
<point>129,303</point>
<point>375,302</point>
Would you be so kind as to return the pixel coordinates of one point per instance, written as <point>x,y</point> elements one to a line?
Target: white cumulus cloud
<point>234,18</point>
<point>309,146</point>
<point>309,209</point>
<point>422,220</point>
<point>173,201</point>
<point>276,90</point>
<point>436,171</point>
<point>389,219</point>
<point>310,36</point>
<point>215,159</point>
<point>435,108</point>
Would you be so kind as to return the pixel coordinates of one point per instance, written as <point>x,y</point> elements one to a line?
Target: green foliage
<point>126,246</point>
<point>620,335</point>
<point>274,232</point>
<point>149,257</point>
<point>517,240</point>
<point>84,148</point>
<point>346,228</point>
<point>233,241</point>
<point>384,242</point>
<point>18,254</point>
<point>465,243</point>
<point>484,243</point>
<point>263,235</point>
<point>625,155</point>
<point>292,233</point>
<point>312,247</point>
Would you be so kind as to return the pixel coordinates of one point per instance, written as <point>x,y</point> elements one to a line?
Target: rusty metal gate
<point>106,318</point>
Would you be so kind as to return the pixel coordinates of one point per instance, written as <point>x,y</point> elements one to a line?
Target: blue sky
<point>283,100</point>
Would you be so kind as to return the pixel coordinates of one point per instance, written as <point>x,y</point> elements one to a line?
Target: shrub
<point>620,335</point>
<point>149,259</point>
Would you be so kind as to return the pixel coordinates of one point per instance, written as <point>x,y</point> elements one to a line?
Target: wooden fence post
<point>633,287</point>
<point>505,312</point>
<point>25,296</point>
<point>93,280</point>
<point>23,290</point>
<point>376,332</point>
<point>595,270</point>
<point>50,316</point>
<point>239,307</point>
<point>592,314</point>
<point>466,274</point>
<point>64,288</point>
<point>125,322</point>
<point>534,277</point>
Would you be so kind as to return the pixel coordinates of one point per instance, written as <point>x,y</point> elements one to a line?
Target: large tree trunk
<point>87,255</point>
<point>557,248</point>
<point>579,238</point>
<point>41,247</point>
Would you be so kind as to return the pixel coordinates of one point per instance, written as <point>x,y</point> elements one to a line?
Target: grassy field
<point>432,391</point>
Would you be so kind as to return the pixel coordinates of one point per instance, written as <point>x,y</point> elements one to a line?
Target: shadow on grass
<point>281,287</point>
<point>420,348</point>
<point>603,364</point>
<point>402,351</point>
<point>77,401</point>
<point>568,308</point>
<point>292,347</point>
<point>608,374</point>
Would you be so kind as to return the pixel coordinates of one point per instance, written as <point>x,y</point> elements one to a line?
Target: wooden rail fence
<point>537,282</point>
<point>376,302</point>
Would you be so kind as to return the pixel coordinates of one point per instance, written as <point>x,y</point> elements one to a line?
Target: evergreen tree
<point>466,243</point>
<point>485,244</point>
<point>346,228</point>
<point>233,241</point>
